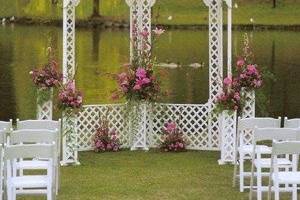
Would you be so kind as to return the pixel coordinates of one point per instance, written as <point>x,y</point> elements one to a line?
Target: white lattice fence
<point>192,119</point>
<point>88,122</point>
<point>249,107</point>
<point>228,136</point>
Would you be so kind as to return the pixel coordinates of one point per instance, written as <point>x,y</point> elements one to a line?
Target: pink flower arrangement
<point>69,97</point>
<point>173,139</point>
<point>229,99</point>
<point>249,76</point>
<point>106,140</point>
<point>46,77</point>
<point>139,84</point>
<point>138,81</point>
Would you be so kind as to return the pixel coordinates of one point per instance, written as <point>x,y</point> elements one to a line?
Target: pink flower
<point>227,81</point>
<point>144,33</point>
<point>158,31</point>
<point>146,80</point>
<point>170,127</point>
<point>237,96</point>
<point>252,69</point>
<point>137,87</point>
<point>240,62</point>
<point>141,73</point>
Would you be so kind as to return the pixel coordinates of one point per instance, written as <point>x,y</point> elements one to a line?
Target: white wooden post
<point>229,38</point>
<point>139,139</point>
<point>70,155</point>
<point>249,107</point>
<point>215,67</point>
<point>140,20</point>
<point>44,111</point>
<point>228,139</point>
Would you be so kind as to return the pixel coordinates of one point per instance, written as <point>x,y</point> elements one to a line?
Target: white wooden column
<point>45,111</point>
<point>215,67</point>
<point>70,155</point>
<point>140,20</point>
<point>229,38</point>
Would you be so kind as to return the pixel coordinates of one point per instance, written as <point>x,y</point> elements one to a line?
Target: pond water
<point>100,53</point>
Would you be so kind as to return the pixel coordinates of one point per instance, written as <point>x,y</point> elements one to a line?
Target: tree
<point>96,10</point>
<point>274,3</point>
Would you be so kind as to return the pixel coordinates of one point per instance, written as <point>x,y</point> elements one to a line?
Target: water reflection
<point>101,53</point>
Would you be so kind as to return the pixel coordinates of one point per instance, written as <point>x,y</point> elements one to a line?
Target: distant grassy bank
<point>178,13</point>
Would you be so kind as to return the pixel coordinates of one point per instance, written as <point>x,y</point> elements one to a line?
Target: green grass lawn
<point>150,175</point>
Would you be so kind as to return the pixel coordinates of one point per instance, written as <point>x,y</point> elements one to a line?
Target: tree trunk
<point>274,3</point>
<point>96,11</point>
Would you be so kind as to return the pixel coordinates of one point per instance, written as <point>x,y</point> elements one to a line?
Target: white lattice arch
<point>201,125</point>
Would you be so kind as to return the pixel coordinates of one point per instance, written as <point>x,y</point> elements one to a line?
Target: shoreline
<point>104,23</point>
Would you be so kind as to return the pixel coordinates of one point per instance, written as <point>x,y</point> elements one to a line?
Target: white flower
<point>31,72</point>
<point>170,17</point>
<point>236,5</point>
<point>251,20</point>
<point>158,31</point>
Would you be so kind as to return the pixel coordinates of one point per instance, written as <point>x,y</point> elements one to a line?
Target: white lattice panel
<point>88,123</point>
<point>44,111</point>
<point>191,119</point>
<point>69,125</point>
<point>215,65</point>
<point>142,129</point>
<point>70,135</point>
<point>249,107</point>
<point>228,135</point>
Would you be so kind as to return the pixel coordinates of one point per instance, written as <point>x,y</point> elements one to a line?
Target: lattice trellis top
<point>130,2</point>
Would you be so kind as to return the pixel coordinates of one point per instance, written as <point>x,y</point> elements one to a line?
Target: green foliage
<point>43,96</point>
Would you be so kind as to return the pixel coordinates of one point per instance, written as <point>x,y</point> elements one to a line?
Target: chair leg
<point>14,194</point>
<point>234,174</point>
<point>49,193</point>
<point>294,191</point>
<point>259,183</point>
<point>9,193</point>
<point>241,173</point>
<point>276,191</point>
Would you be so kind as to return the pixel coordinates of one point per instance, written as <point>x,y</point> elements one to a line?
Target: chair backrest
<point>2,136</point>
<point>279,134</point>
<point>291,123</point>
<point>6,126</point>
<point>285,147</point>
<point>39,124</point>
<point>33,136</point>
<point>246,127</point>
<point>30,151</point>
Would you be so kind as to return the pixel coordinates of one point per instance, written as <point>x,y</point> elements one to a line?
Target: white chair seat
<point>31,181</point>
<point>248,149</point>
<point>32,164</point>
<point>288,177</point>
<point>266,162</point>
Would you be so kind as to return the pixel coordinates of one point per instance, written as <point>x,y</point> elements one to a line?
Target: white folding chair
<point>243,148</point>
<point>48,125</point>
<point>36,184</point>
<point>6,126</point>
<point>284,177</point>
<point>291,123</point>
<point>259,162</point>
<point>31,136</point>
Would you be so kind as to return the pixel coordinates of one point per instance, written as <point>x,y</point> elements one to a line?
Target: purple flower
<point>141,73</point>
